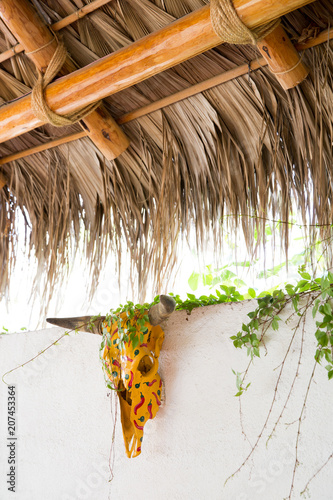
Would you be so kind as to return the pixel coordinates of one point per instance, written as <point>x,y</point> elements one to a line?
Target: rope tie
<point>39,105</point>
<point>290,69</point>
<point>229,27</point>
<point>40,48</point>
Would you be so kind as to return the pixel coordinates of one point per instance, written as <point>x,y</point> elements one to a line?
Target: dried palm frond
<point>245,148</point>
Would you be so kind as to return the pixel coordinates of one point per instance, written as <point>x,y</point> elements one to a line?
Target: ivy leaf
<point>318,355</point>
<point>290,290</point>
<point>321,338</point>
<point>193,281</point>
<point>256,352</point>
<point>315,307</point>
<point>135,342</point>
<point>306,276</point>
<point>252,293</point>
<point>327,309</point>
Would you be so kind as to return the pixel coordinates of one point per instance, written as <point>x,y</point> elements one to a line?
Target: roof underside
<point>246,147</point>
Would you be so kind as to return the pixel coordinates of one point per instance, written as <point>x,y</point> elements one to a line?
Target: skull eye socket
<point>146,364</point>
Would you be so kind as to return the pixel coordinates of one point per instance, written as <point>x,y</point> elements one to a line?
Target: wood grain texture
<point>105,133</point>
<point>29,28</point>
<point>226,76</point>
<point>66,21</point>
<point>181,40</point>
<point>257,12</point>
<point>282,58</point>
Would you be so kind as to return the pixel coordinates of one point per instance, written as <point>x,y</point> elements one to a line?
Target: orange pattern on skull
<point>133,373</point>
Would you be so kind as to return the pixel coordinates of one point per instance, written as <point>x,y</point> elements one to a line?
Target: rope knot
<point>231,29</point>
<point>39,105</point>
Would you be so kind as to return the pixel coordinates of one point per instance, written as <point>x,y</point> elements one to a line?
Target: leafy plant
<point>266,315</point>
<point>225,294</point>
<point>307,294</point>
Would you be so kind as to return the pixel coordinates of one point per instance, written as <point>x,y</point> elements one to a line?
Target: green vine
<point>266,315</point>
<point>308,294</point>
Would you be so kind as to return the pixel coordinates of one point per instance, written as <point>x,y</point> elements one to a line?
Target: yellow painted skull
<point>133,373</point>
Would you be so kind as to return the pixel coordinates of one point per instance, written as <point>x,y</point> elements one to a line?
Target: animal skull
<point>132,371</point>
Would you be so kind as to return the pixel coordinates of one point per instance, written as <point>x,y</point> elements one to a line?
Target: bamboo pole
<point>282,58</point>
<point>39,43</point>
<point>42,147</point>
<point>78,14</point>
<point>226,76</point>
<point>29,29</point>
<point>214,81</point>
<point>75,16</point>
<point>181,40</point>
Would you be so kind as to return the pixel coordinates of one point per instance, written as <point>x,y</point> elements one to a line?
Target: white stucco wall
<point>65,419</point>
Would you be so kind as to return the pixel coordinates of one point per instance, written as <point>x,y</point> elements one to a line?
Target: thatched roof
<point>246,147</point>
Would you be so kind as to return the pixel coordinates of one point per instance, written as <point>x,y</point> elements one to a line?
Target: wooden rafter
<point>183,39</point>
<point>24,22</point>
<point>276,48</point>
<point>226,76</point>
<point>66,21</point>
<point>282,58</point>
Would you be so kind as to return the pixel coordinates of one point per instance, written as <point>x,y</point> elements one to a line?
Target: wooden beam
<point>40,45</point>
<point>214,81</point>
<point>43,147</point>
<point>226,76</point>
<point>29,29</point>
<point>78,14</point>
<point>75,16</point>
<point>181,40</point>
<point>282,58</point>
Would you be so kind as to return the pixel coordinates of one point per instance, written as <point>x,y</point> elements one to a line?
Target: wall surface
<point>65,417</point>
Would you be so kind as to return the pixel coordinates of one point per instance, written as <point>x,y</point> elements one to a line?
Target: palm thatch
<point>246,147</point>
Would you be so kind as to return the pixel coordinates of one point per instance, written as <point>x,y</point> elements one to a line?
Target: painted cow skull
<point>132,371</point>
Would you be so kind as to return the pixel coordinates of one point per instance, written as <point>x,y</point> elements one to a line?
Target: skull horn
<point>81,323</point>
<point>161,311</point>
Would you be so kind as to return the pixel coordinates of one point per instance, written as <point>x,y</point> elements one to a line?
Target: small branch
<point>41,352</point>
<point>299,430</point>
<point>29,361</point>
<point>268,414</point>
<point>294,379</point>
<point>277,221</point>
<point>314,475</point>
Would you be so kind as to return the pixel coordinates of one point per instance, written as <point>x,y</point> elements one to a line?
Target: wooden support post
<point>282,58</point>
<point>59,25</point>
<point>185,38</point>
<point>39,43</point>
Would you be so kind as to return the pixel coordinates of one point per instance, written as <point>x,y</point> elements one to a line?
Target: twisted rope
<point>229,27</point>
<point>40,48</point>
<point>40,108</point>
